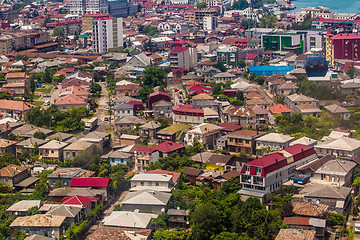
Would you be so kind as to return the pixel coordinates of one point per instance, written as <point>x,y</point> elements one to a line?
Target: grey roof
<point>123,105</point>
<point>343,144</point>
<point>65,210</point>
<point>336,167</point>
<point>71,191</point>
<point>224,74</point>
<point>190,76</point>
<point>28,130</point>
<point>30,142</point>
<point>54,144</point>
<point>202,157</point>
<point>24,205</point>
<point>129,219</point>
<point>151,125</point>
<point>336,109</point>
<point>94,136</point>
<point>147,198</point>
<point>315,164</point>
<point>37,237</point>
<point>61,136</point>
<point>78,146</point>
<point>275,137</point>
<point>300,98</point>
<point>178,212</point>
<point>322,191</point>
<point>117,154</point>
<point>305,141</point>
<point>162,103</point>
<point>130,119</point>
<point>151,177</point>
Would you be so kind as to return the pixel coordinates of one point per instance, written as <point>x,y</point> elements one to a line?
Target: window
<point>142,183</point>
<point>157,184</point>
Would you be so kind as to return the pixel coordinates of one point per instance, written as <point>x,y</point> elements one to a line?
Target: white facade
<point>107,34</point>
<point>209,23</point>
<point>76,7</point>
<point>185,59</point>
<point>81,7</point>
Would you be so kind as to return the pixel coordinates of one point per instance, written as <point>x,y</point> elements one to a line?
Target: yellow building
<point>88,18</point>
<point>329,49</point>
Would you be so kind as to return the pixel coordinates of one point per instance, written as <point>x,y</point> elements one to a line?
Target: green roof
<point>175,128</point>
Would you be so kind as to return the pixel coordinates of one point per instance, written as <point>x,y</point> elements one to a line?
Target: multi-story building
<point>201,13</point>
<point>174,26</point>
<point>228,54</point>
<point>77,7</point>
<point>290,42</point>
<point>209,23</point>
<point>81,7</point>
<point>183,57</point>
<point>107,33</point>
<point>243,141</point>
<point>319,11</point>
<point>122,8</point>
<point>6,44</point>
<point>345,46</point>
<point>69,27</point>
<point>266,174</point>
<point>88,18</point>
<point>188,115</point>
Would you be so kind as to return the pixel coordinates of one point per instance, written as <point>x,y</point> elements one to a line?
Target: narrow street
<point>101,111</point>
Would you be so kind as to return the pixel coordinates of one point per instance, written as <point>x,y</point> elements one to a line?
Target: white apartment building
<point>81,7</point>
<point>209,23</point>
<point>107,33</point>
<point>183,57</point>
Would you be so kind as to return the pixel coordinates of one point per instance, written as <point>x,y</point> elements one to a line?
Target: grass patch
<point>38,103</point>
<point>43,90</point>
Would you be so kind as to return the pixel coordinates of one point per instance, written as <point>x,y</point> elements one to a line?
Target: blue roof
<point>270,70</point>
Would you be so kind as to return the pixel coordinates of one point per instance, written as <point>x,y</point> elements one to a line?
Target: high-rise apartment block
<point>107,33</point>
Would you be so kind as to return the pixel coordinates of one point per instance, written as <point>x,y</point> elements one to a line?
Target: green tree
<point>205,222</point>
<point>96,89</point>
<point>335,219</point>
<point>232,185</point>
<point>161,221</point>
<point>47,76</point>
<point>268,21</point>
<point>201,5</point>
<point>351,71</point>
<point>240,5</point>
<point>154,76</point>
<point>144,92</point>
<point>58,32</point>
<point>220,66</point>
<point>162,234</point>
<point>33,211</point>
<point>32,85</point>
<point>40,135</point>
<point>20,235</point>
<point>242,62</point>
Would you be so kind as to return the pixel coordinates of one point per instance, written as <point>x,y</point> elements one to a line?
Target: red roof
<point>167,147</point>
<point>268,52</point>
<point>251,56</point>
<point>175,175</point>
<point>346,36</point>
<point>90,182</point>
<point>227,126</point>
<point>158,93</point>
<point>78,200</point>
<point>279,109</point>
<point>199,87</point>
<point>134,102</point>
<point>179,49</point>
<point>302,221</point>
<point>187,109</point>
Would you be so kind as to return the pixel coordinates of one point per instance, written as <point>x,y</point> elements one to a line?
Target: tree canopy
<point>240,5</point>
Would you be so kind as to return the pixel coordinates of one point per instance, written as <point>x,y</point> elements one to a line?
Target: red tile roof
<point>167,147</point>
<point>78,200</point>
<point>15,105</point>
<point>179,49</point>
<point>302,221</point>
<point>12,170</point>
<point>186,109</point>
<point>227,126</point>
<point>70,99</point>
<point>279,109</point>
<point>90,182</point>
<point>175,175</point>
<point>158,93</point>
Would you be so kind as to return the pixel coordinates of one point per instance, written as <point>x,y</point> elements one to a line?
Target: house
<point>272,142</point>
<point>123,109</point>
<point>338,198</point>
<point>221,143</point>
<point>144,156</point>
<point>21,208</point>
<point>310,209</point>
<point>28,145</point>
<point>7,146</point>
<point>243,141</point>
<point>241,115</point>
<point>69,101</point>
<point>261,115</point>
<point>13,174</point>
<point>205,133</point>
<point>222,163</point>
<point>58,194</point>
<point>14,109</point>
<point>76,148</point>
<point>187,114</point>
<point>295,234</point>
<point>311,167</point>
<point>114,233</point>
<point>157,96</point>
<point>286,89</point>
<point>155,182</point>
<point>343,147</point>
<point>77,91</point>
<point>266,174</point>
<point>64,176</point>
<point>315,224</point>
<point>298,99</point>
<point>191,174</point>
<point>139,61</point>
<point>118,157</point>
<point>148,130</point>
<point>100,139</point>
<point>125,219</point>
<point>258,102</point>
<point>202,158</point>
<point>72,213</point>
<point>178,218</point>
<point>86,203</point>
<point>28,131</point>
<point>223,77</point>
<point>17,82</point>
<point>146,201</point>
<point>126,139</point>
<point>92,182</point>
<point>125,124</point>
<point>175,132</point>
<point>308,110</point>
<point>162,109</point>
<point>229,127</point>
<point>337,111</point>
<point>277,109</point>
<point>44,225</point>
<point>175,178</point>
<point>305,141</point>
<point>337,172</point>
<point>52,150</point>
